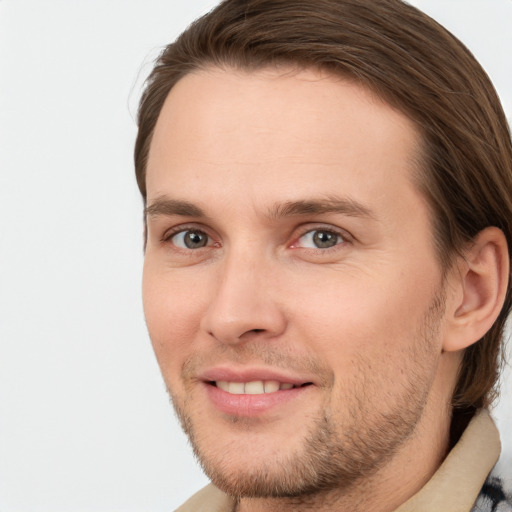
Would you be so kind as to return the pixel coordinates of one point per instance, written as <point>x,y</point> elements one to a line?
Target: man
<point>328,195</point>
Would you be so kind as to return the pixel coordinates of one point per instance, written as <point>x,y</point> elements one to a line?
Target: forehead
<point>276,134</point>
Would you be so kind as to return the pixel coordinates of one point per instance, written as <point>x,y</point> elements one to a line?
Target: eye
<point>320,239</point>
<point>190,239</point>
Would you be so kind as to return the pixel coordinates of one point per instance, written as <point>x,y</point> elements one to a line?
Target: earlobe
<point>481,281</point>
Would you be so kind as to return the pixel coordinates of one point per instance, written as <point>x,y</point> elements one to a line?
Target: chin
<point>319,459</point>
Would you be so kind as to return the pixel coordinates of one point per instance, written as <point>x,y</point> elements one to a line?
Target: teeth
<point>222,384</point>
<point>236,388</point>
<point>257,387</point>
<point>254,388</point>
<point>271,386</point>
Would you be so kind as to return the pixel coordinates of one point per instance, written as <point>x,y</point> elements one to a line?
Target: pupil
<point>325,239</point>
<point>194,240</point>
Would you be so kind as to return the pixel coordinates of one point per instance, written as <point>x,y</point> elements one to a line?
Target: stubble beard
<point>333,456</point>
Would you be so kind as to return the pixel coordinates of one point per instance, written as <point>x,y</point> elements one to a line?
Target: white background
<point>85,424</point>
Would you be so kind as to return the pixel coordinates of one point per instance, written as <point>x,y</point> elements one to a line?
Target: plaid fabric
<point>493,497</point>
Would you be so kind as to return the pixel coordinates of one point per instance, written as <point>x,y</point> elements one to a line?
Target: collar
<point>456,484</point>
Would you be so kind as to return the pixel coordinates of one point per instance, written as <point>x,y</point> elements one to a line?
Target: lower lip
<point>251,405</point>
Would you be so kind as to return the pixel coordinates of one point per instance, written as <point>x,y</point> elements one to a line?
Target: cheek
<point>375,345</point>
<point>172,309</point>
<point>378,317</point>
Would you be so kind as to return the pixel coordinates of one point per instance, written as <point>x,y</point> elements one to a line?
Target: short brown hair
<point>411,62</point>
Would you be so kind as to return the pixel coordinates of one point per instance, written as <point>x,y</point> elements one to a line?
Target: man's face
<point>291,287</point>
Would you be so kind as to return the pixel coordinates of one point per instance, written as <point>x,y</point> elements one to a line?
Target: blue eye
<point>190,239</point>
<point>320,239</point>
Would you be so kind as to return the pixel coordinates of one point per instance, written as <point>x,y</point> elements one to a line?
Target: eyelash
<point>171,233</point>
<point>342,237</point>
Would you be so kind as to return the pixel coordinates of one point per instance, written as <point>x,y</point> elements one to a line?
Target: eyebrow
<point>331,204</point>
<point>169,207</point>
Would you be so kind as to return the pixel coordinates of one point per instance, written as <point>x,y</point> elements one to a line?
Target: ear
<point>480,280</point>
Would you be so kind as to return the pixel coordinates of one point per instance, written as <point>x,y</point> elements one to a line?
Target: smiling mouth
<point>258,387</point>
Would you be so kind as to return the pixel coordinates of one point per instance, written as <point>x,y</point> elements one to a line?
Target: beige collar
<point>453,488</point>
<point>456,484</point>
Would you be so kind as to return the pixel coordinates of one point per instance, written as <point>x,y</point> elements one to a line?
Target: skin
<point>257,164</point>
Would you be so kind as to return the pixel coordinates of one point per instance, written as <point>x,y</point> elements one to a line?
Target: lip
<point>247,405</point>
<point>251,405</point>
<point>234,374</point>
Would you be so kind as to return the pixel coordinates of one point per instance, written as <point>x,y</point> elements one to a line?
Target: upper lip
<point>251,374</point>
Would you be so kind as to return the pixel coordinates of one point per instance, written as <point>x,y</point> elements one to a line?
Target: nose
<point>243,304</point>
